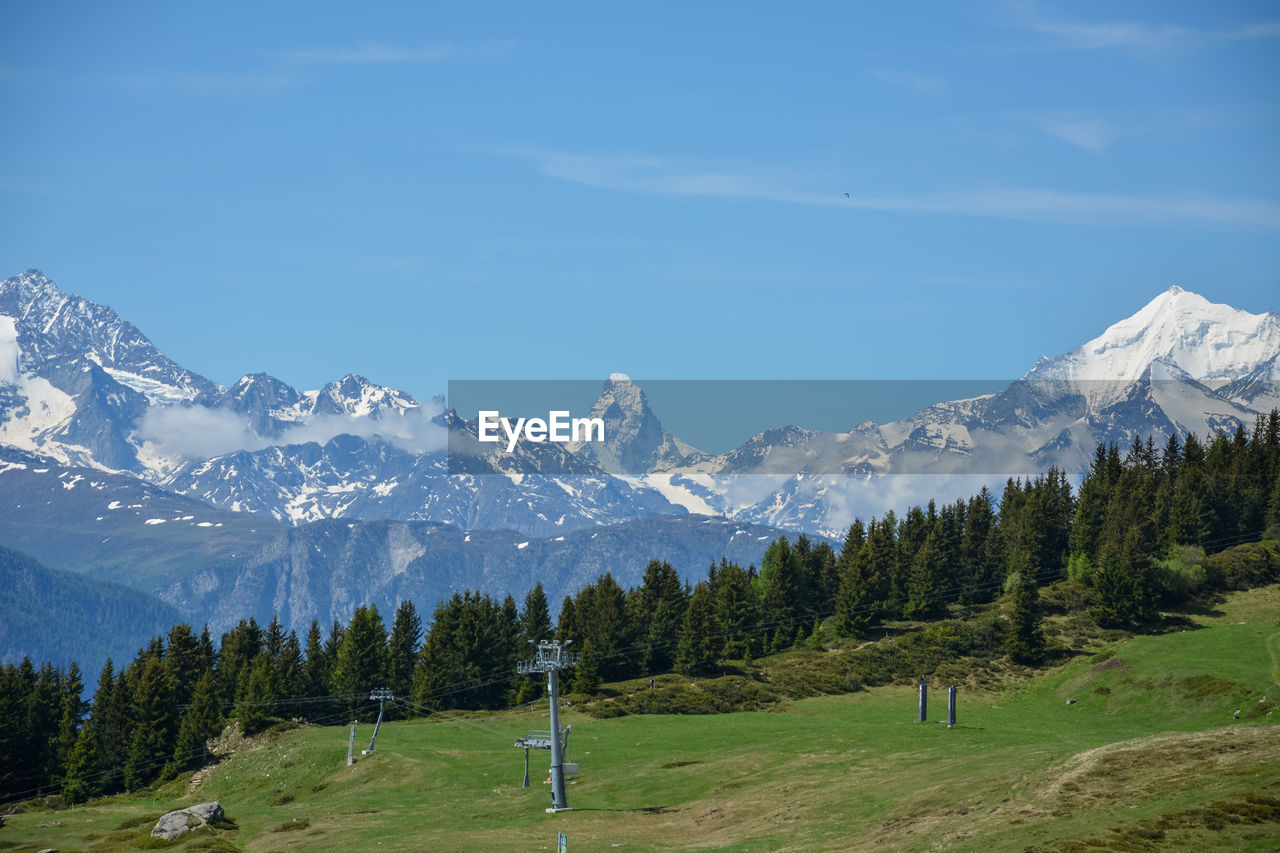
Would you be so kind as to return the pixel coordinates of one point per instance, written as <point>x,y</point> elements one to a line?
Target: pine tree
<point>154,729</point>
<point>402,648</point>
<point>736,610</point>
<point>82,780</point>
<point>287,674</point>
<point>535,626</point>
<point>255,698</point>
<point>586,676</point>
<point>855,606</point>
<point>316,672</point>
<point>201,721</point>
<point>1024,642</point>
<point>660,612</point>
<point>924,590</point>
<point>72,713</point>
<point>780,589</point>
<point>361,663</point>
<point>184,661</point>
<point>239,647</point>
<point>977,572</point>
<point>696,647</point>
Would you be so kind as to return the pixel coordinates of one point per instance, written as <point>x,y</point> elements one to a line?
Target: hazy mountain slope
<point>57,616</point>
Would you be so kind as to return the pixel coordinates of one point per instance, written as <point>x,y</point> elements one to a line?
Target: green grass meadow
<point>1150,756</point>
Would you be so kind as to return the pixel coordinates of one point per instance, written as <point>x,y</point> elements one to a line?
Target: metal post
<point>951,706</point>
<point>351,745</point>
<point>382,694</point>
<point>558,802</point>
<point>526,767</point>
<point>924,700</point>
<point>551,658</point>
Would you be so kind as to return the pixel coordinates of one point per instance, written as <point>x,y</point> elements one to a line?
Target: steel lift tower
<point>551,657</point>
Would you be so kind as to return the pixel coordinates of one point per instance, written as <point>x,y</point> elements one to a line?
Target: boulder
<point>181,821</point>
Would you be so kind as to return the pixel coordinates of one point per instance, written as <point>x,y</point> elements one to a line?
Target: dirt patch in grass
<point>1204,686</point>
<point>1157,763</point>
<point>295,825</point>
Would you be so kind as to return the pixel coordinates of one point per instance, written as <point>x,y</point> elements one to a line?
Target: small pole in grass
<point>924,700</point>
<point>951,706</point>
<point>351,745</point>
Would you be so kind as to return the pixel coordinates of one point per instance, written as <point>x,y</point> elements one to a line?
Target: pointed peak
<point>619,378</point>
<point>1205,339</point>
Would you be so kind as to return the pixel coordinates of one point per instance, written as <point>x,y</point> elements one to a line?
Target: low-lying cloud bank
<point>187,433</point>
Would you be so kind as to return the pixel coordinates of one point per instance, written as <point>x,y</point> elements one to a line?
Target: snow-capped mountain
<point>262,499</point>
<point>81,386</point>
<point>1181,364</point>
<point>1209,342</point>
<point>636,442</point>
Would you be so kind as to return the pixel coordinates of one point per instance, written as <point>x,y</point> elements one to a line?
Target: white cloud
<point>196,432</point>
<point>412,431</point>
<point>1092,135</point>
<point>652,175</point>
<point>1137,35</point>
<point>188,433</point>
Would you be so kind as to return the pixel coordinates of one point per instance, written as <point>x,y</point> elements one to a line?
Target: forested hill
<point>1150,529</point>
<point>64,616</point>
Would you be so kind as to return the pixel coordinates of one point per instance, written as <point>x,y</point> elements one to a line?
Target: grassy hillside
<point>1149,756</point>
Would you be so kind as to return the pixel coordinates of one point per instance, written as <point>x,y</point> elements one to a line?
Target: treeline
<point>1135,535</point>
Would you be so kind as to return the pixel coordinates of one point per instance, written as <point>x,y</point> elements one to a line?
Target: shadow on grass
<point>639,809</point>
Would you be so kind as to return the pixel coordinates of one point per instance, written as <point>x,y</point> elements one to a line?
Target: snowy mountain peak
<point>355,396</point>
<point>51,325</point>
<point>1209,341</point>
<point>635,441</point>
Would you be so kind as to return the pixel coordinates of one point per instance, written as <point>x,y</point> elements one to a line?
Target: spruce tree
<point>402,648</point>
<point>154,727</point>
<point>736,611</point>
<point>1024,641</point>
<point>255,698</point>
<point>696,647</point>
<point>201,721</point>
<point>72,713</point>
<point>660,612</point>
<point>924,589</point>
<point>82,779</point>
<point>361,664</point>
<point>586,676</point>
<point>854,605</point>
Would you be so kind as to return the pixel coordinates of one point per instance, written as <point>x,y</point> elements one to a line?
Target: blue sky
<point>430,192</point>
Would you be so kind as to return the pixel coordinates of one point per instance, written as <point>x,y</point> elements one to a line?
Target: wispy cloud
<point>657,176</point>
<point>1137,35</point>
<point>920,84</point>
<point>202,432</point>
<point>1091,134</point>
<point>377,53</point>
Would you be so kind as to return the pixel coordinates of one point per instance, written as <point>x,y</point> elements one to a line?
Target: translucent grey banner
<point>702,430</point>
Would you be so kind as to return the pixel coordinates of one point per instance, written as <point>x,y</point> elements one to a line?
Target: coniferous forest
<point>1148,527</point>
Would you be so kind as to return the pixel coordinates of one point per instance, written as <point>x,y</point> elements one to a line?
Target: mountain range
<point>258,498</point>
